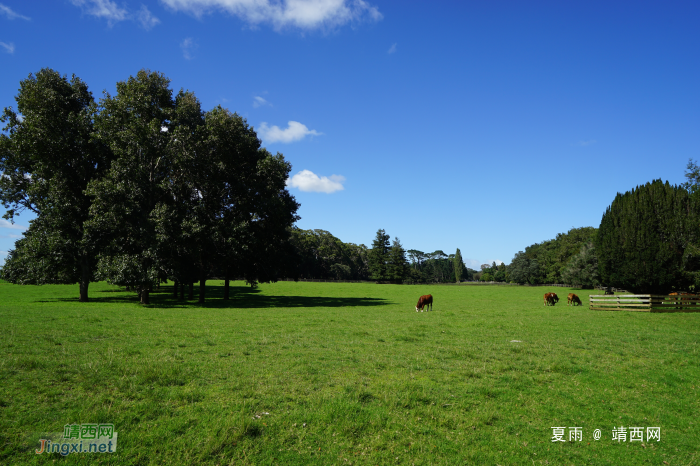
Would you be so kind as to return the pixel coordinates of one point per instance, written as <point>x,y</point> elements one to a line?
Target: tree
<point>692,251</point>
<point>241,207</point>
<point>322,255</point>
<point>459,266</point>
<point>397,267</point>
<point>582,269</point>
<point>553,255</point>
<point>130,198</point>
<point>378,256</point>
<point>417,258</point>
<point>47,160</point>
<point>267,211</point>
<point>644,238</point>
<point>523,269</point>
<point>692,174</point>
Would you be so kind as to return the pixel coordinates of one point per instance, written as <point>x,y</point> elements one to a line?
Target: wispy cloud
<point>473,264</point>
<point>103,9</point>
<point>13,226</point>
<point>259,102</point>
<point>586,143</point>
<point>10,236</point>
<point>295,131</point>
<point>7,11</point>
<point>308,181</point>
<point>188,46</point>
<point>9,48</point>
<point>146,19</point>
<point>392,49</point>
<point>113,13</point>
<point>302,14</point>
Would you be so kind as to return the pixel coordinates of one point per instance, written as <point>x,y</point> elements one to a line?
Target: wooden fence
<point>645,303</point>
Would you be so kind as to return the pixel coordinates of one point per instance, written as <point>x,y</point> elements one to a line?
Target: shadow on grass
<point>240,297</point>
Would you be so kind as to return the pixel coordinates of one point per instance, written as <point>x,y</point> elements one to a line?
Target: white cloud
<point>10,236</point>
<point>392,49</point>
<point>106,9</point>
<point>295,131</point>
<point>188,47</point>
<point>9,48</point>
<point>473,264</point>
<point>13,226</point>
<point>146,19</point>
<point>102,9</point>
<point>302,14</point>
<point>259,102</point>
<point>308,181</point>
<point>7,11</point>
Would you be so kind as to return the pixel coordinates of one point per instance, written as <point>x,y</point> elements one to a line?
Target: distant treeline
<point>320,255</point>
<point>323,256</point>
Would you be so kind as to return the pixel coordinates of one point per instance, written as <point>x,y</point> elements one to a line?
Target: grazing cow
<point>549,299</point>
<point>423,301</point>
<point>573,299</point>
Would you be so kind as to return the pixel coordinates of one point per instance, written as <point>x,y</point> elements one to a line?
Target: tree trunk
<point>182,291</point>
<point>226,285</point>
<point>175,289</point>
<point>202,284</point>
<point>144,296</point>
<point>84,280</point>
<point>191,297</point>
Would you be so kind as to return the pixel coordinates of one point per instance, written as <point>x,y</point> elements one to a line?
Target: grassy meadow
<point>340,374</point>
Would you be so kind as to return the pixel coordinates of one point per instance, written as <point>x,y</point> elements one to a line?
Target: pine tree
<point>397,266</point>
<point>379,256</point>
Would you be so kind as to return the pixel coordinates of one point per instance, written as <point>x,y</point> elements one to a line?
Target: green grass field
<point>339,374</point>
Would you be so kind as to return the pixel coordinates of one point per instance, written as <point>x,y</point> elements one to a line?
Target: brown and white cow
<point>555,298</point>
<point>549,299</point>
<point>423,301</point>
<point>573,299</point>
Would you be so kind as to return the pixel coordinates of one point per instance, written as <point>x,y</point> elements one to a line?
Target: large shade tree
<point>130,198</point>
<point>48,157</point>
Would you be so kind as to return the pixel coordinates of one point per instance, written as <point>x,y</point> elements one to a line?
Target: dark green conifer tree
<point>459,266</point>
<point>378,256</point>
<point>643,238</point>
<point>397,266</point>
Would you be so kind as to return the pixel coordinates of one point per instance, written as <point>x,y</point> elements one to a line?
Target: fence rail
<point>645,303</point>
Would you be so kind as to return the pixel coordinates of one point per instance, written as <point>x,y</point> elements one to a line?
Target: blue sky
<point>484,126</point>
